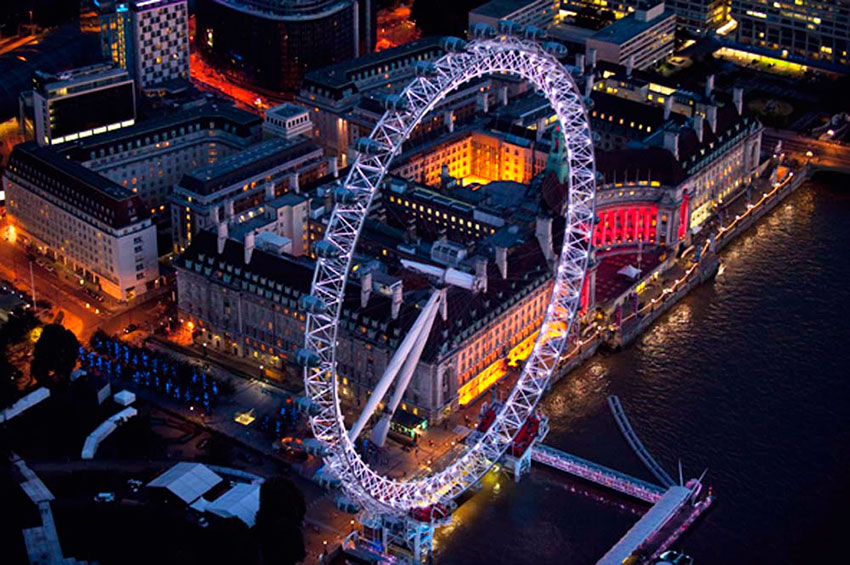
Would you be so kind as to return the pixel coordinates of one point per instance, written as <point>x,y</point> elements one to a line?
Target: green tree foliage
<point>278,524</point>
<point>54,355</point>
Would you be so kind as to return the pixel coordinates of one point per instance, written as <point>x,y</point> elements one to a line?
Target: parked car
<point>131,328</point>
<point>105,497</point>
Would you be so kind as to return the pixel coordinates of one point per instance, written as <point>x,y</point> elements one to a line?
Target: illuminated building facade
<point>270,45</point>
<point>537,13</point>
<point>344,104</point>
<point>82,102</point>
<point>696,16</point>
<point>809,29</point>
<point>149,38</point>
<point>476,153</point>
<point>98,229</point>
<point>241,182</point>
<point>641,39</point>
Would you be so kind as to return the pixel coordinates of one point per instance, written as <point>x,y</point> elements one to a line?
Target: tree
<point>278,524</point>
<point>55,354</point>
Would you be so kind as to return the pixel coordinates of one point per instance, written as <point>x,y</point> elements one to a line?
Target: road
<point>824,153</point>
<point>80,313</point>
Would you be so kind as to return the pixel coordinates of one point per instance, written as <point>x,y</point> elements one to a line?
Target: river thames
<point>747,376</point>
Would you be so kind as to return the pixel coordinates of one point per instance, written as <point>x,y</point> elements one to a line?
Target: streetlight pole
<point>32,284</point>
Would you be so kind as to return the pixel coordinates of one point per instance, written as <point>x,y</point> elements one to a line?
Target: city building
<point>270,45</point>
<point>345,98</point>
<point>149,38</point>
<point>698,17</point>
<point>288,120</point>
<point>537,13</point>
<point>152,156</point>
<point>817,31</point>
<point>82,102</point>
<point>242,182</point>
<point>98,229</point>
<point>641,39</point>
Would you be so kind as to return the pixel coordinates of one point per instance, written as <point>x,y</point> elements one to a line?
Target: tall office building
<point>271,44</point>
<point>149,38</point>
<point>818,30</point>
<point>82,102</point>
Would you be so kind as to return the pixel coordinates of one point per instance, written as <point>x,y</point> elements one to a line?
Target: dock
<point>596,473</point>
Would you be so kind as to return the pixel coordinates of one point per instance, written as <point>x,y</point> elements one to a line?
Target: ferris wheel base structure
<point>424,501</point>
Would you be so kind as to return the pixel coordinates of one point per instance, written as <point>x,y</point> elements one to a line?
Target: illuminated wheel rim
<point>502,54</point>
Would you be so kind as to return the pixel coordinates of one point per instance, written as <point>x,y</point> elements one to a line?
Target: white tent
<point>24,404</point>
<point>187,481</point>
<point>242,501</point>
<point>630,271</point>
<point>124,397</point>
<point>102,431</point>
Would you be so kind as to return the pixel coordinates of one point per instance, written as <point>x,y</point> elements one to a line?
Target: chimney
<point>328,200</point>
<point>222,236</point>
<point>293,182</point>
<point>738,99</point>
<point>588,85</point>
<point>502,260</point>
<point>698,126</point>
<point>228,209</point>
<point>541,128</point>
<point>444,306</point>
<point>249,246</point>
<point>591,57</point>
<point>630,65</point>
<point>711,116</point>
<point>668,106</point>
<point>483,102</point>
<point>543,231</point>
<point>709,85</point>
<point>269,191</point>
<point>503,95</point>
<point>410,232</point>
<point>448,120</point>
<point>481,274</point>
<point>580,62</point>
<point>365,288</point>
<point>333,167</point>
<point>398,294</point>
<point>671,143</point>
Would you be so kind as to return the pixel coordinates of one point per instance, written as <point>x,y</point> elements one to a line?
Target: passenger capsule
<point>482,31</point>
<point>555,49</point>
<point>312,304</point>
<point>394,102</point>
<point>509,27</point>
<point>532,32</point>
<point>369,146</point>
<point>307,358</point>
<point>344,195</point>
<point>325,249</point>
<point>453,44</point>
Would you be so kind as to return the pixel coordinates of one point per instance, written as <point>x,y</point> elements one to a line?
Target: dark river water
<point>749,376</point>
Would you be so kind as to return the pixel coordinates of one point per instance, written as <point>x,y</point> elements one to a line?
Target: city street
<point>824,153</point>
<point>80,313</point>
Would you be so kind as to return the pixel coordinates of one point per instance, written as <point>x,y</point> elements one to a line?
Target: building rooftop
<point>219,114</point>
<point>500,8</point>
<point>628,28</point>
<point>342,74</point>
<point>82,188</point>
<point>286,110</point>
<point>247,163</point>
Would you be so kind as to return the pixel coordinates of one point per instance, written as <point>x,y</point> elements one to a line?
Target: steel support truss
<point>502,54</point>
